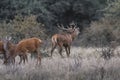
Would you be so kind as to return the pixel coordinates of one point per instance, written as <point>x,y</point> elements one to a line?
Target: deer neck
<point>73,36</point>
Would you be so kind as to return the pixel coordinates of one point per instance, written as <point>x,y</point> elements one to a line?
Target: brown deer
<point>2,51</point>
<point>64,39</point>
<point>24,47</point>
<point>9,48</point>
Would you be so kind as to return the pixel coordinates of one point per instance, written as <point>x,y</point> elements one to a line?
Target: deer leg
<point>33,55</point>
<point>21,57</point>
<point>60,50</point>
<point>10,60</point>
<point>5,61</point>
<point>68,51</point>
<point>26,58</point>
<point>38,57</point>
<point>53,48</point>
<point>5,58</point>
<point>13,60</point>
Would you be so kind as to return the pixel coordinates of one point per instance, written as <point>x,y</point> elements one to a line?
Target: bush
<point>23,27</point>
<point>102,32</point>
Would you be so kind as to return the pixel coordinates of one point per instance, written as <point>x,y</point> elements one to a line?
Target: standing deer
<point>2,51</point>
<point>24,47</point>
<point>9,48</point>
<point>28,46</point>
<point>64,39</point>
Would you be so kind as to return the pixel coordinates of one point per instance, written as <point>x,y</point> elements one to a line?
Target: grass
<point>83,64</point>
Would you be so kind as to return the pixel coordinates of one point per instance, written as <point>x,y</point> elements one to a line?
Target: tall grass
<point>83,64</point>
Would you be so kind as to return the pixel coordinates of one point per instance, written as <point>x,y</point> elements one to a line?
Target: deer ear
<point>9,38</point>
<point>78,28</point>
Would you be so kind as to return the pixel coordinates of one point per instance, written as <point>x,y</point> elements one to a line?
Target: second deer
<point>24,47</point>
<point>64,39</point>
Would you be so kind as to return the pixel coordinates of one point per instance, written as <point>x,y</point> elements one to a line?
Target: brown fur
<point>10,53</point>
<point>2,51</point>
<point>24,47</point>
<point>64,40</point>
<point>28,46</point>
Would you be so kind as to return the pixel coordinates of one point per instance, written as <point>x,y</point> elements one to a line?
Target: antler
<point>73,25</point>
<point>62,27</point>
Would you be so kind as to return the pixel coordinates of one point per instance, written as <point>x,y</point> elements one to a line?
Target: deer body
<point>24,47</point>
<point>28,46</point>
<point>64,40</point>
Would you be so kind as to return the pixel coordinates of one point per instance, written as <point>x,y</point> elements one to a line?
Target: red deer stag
<point>64,39</point>
<point>24,47</point>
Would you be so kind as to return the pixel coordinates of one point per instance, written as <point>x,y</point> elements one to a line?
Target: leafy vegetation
<point>51,12</point>
<point>98,20</point>
<point>99,23</point>
<point>23,27</point>
<point>105,30</point>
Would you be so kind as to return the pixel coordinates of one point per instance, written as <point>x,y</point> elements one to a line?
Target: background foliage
<point>98,19</point>
<point>22,27</point>
<point>106,29</point>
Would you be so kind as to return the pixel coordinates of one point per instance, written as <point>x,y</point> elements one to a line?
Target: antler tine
<point>73,24</point>
<point>62,26</point>
<point>68,27</point>
<point>58,25</point>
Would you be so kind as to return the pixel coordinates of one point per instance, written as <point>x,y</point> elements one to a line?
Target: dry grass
<point>83,64</point>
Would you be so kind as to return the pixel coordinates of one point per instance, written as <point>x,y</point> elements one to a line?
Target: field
<point>83,64</point>
<point>95,53</point>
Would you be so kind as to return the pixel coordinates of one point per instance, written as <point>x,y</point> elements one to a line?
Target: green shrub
<point>102,32</point>
<point>23,27</point>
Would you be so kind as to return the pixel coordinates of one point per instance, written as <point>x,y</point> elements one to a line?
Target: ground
<point>83,64</point>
